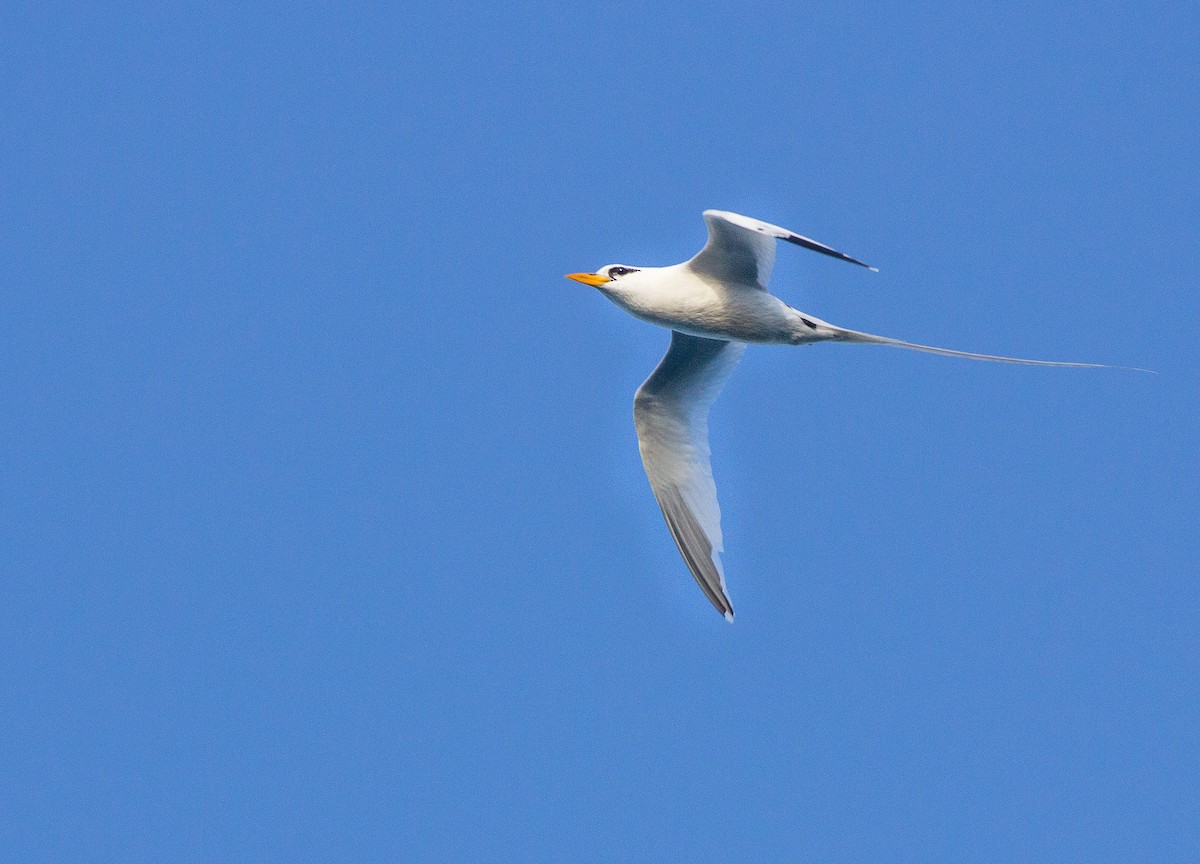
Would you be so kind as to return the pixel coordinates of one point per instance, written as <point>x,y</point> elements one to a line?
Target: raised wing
<point>742,250</point>
<point>670,411</point>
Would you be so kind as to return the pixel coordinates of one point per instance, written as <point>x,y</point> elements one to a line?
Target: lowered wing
<point>670,411</point>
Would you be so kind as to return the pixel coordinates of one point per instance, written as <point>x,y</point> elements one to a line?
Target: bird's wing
<point>742,250</point>
<point>670,411</point>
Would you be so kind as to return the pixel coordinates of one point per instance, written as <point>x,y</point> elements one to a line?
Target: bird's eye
<point>620,271</point>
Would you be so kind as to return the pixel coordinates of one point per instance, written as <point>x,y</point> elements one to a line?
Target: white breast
<point>678,298</point>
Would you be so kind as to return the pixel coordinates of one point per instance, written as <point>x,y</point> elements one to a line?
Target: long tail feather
<point>845,335</point>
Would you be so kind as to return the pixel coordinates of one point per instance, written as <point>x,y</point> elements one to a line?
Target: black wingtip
<point>826,250</point>
<point>845,257</point>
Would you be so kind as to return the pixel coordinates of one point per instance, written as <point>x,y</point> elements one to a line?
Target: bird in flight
<point>714,304</point>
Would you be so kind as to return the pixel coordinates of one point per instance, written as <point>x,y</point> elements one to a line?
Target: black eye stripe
<point>621,271</point>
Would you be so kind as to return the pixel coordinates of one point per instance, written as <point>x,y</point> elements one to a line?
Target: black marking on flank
<point>810,325</point>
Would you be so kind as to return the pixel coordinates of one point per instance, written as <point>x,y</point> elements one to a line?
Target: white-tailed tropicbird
<point>714,304</point>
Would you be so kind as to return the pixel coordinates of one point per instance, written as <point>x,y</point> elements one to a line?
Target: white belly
<point>712,310</point>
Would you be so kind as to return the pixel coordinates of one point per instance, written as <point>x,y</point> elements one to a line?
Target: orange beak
<point>592,279</point>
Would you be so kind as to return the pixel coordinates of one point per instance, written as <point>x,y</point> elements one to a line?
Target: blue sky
<point>323,530</point>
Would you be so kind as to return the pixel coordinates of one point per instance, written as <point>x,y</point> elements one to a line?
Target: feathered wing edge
<point>670,411</point>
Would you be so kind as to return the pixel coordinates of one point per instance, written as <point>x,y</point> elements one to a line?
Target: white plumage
<point>715,304</point>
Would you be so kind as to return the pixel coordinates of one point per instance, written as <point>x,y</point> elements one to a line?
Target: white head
<point>606,274</point>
